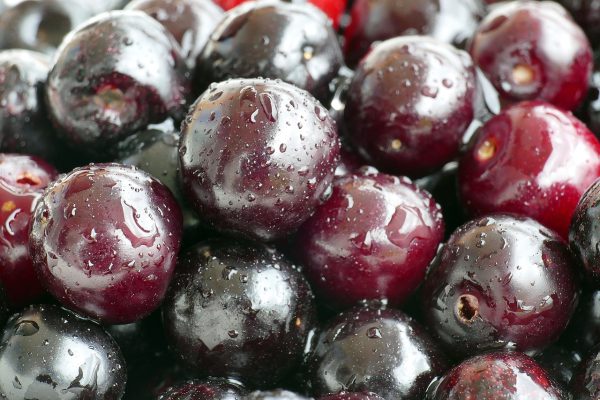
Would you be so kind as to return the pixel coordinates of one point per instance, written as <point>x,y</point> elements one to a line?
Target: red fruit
<point>532,159</point>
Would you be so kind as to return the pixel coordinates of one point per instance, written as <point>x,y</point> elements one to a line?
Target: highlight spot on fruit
<point>523,74</point>
<point>396,144</point>
<point>8,206</point>
<point>467,308</point>
<point>486,150</point>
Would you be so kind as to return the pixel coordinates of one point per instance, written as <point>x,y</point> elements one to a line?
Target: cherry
<point>104,241</point>
<point>49,353</point>
<point>373,239</point>
<point>24,125</point>
<point>409,105</point>
<point>22,181</point>
<point>500,281</point>
<point>238,310</point>
<point>522,161</point>
<point>210,389</point>
<point>497,376</point>
<point>189,21</point>
<point>533,50</point>
<point>257,156</point>
<point>372,349</point>
<point>451,21</point>
<point>276,40</point>
<point>113,76</point>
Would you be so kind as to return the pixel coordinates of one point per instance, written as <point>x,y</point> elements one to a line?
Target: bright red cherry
<point>532,159</point>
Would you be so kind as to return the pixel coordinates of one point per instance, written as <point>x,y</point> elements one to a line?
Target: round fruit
<point>257,156</point>
<point>105,239</point>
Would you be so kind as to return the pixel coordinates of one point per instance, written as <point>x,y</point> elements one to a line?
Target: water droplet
<point>27,328</point>
<point>268,105</point>
<point>429,92</point>
<point>282,147</point>
<point>374,333</point>
<point>215,96</point>
<point>233,333</point>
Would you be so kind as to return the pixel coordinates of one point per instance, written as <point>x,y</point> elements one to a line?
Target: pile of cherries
<point>305,199</point>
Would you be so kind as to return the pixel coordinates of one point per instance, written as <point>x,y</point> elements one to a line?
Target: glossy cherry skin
<point>533,50</point>
<point>585,384</point>
<point>238,310</point>
<point>560,362</point>
<point>333,8</point>
<point>451,21</point>
<point>497,376</point>
<point>584,234</point>
<point>278,394</point>
<point>156,151</point>
<point>352,396</point>
<point>583,332</point>
<point>40,25</point>
<point>50,353</point>
<point>409,104</point>
<point>210,389</point>
<point>522,161</point>
<point>257,157</point>
<point>24,124</point>
<point>272,39</point>
<point>114,75</point>
<point>500,281</point>
<point>377,350</point>
<point>22,181</point>
<point>191,22</point>
<point>373,239</point>
<point>104,241</point>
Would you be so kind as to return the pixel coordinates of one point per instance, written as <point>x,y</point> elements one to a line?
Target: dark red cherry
<point>238,310</point>
<point>257,156</point>
<point>24,124</point>
<point>500,281</point>
<point>156,151</point>
<point>532,50</point>
<point>409,104</point>
<point>113,76</point>
<point>190,21</point>
<point>41,24</point>
<point>22,181</point>
<point>560,362</point>
<point>584,234</point>
<point>272,39</point>
<point>352,396</point>
<point>104,241</point>
<point>278,394</point>
<point>47,352</point>
<point>532,159</point>
<point>377,350</point>
<point>451,21</point>
<point>583,332</point>
<point>585,384</point>
<point>209,389</point>
<point>497,376</point>
<point>373,239</point>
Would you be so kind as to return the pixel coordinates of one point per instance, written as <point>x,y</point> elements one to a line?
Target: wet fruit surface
<point>373,239</point>
<point>533,50</point>
<point>22,182</point>
<point>210,389</point>
<point>238,310</point>
<point>276,40</point>
<point>257,157</point>
<point>584,235</point>
<point>450,21</point>
<point>49,353</point>
<point>497,376</point>
<point>522,162</point>
<point>365,349</point>
<point>105,240</point>
<point>275,395</point>
<point>409,105</point>
<point>500,282</point>
<point>191,22</point>
<point>114,75</point>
